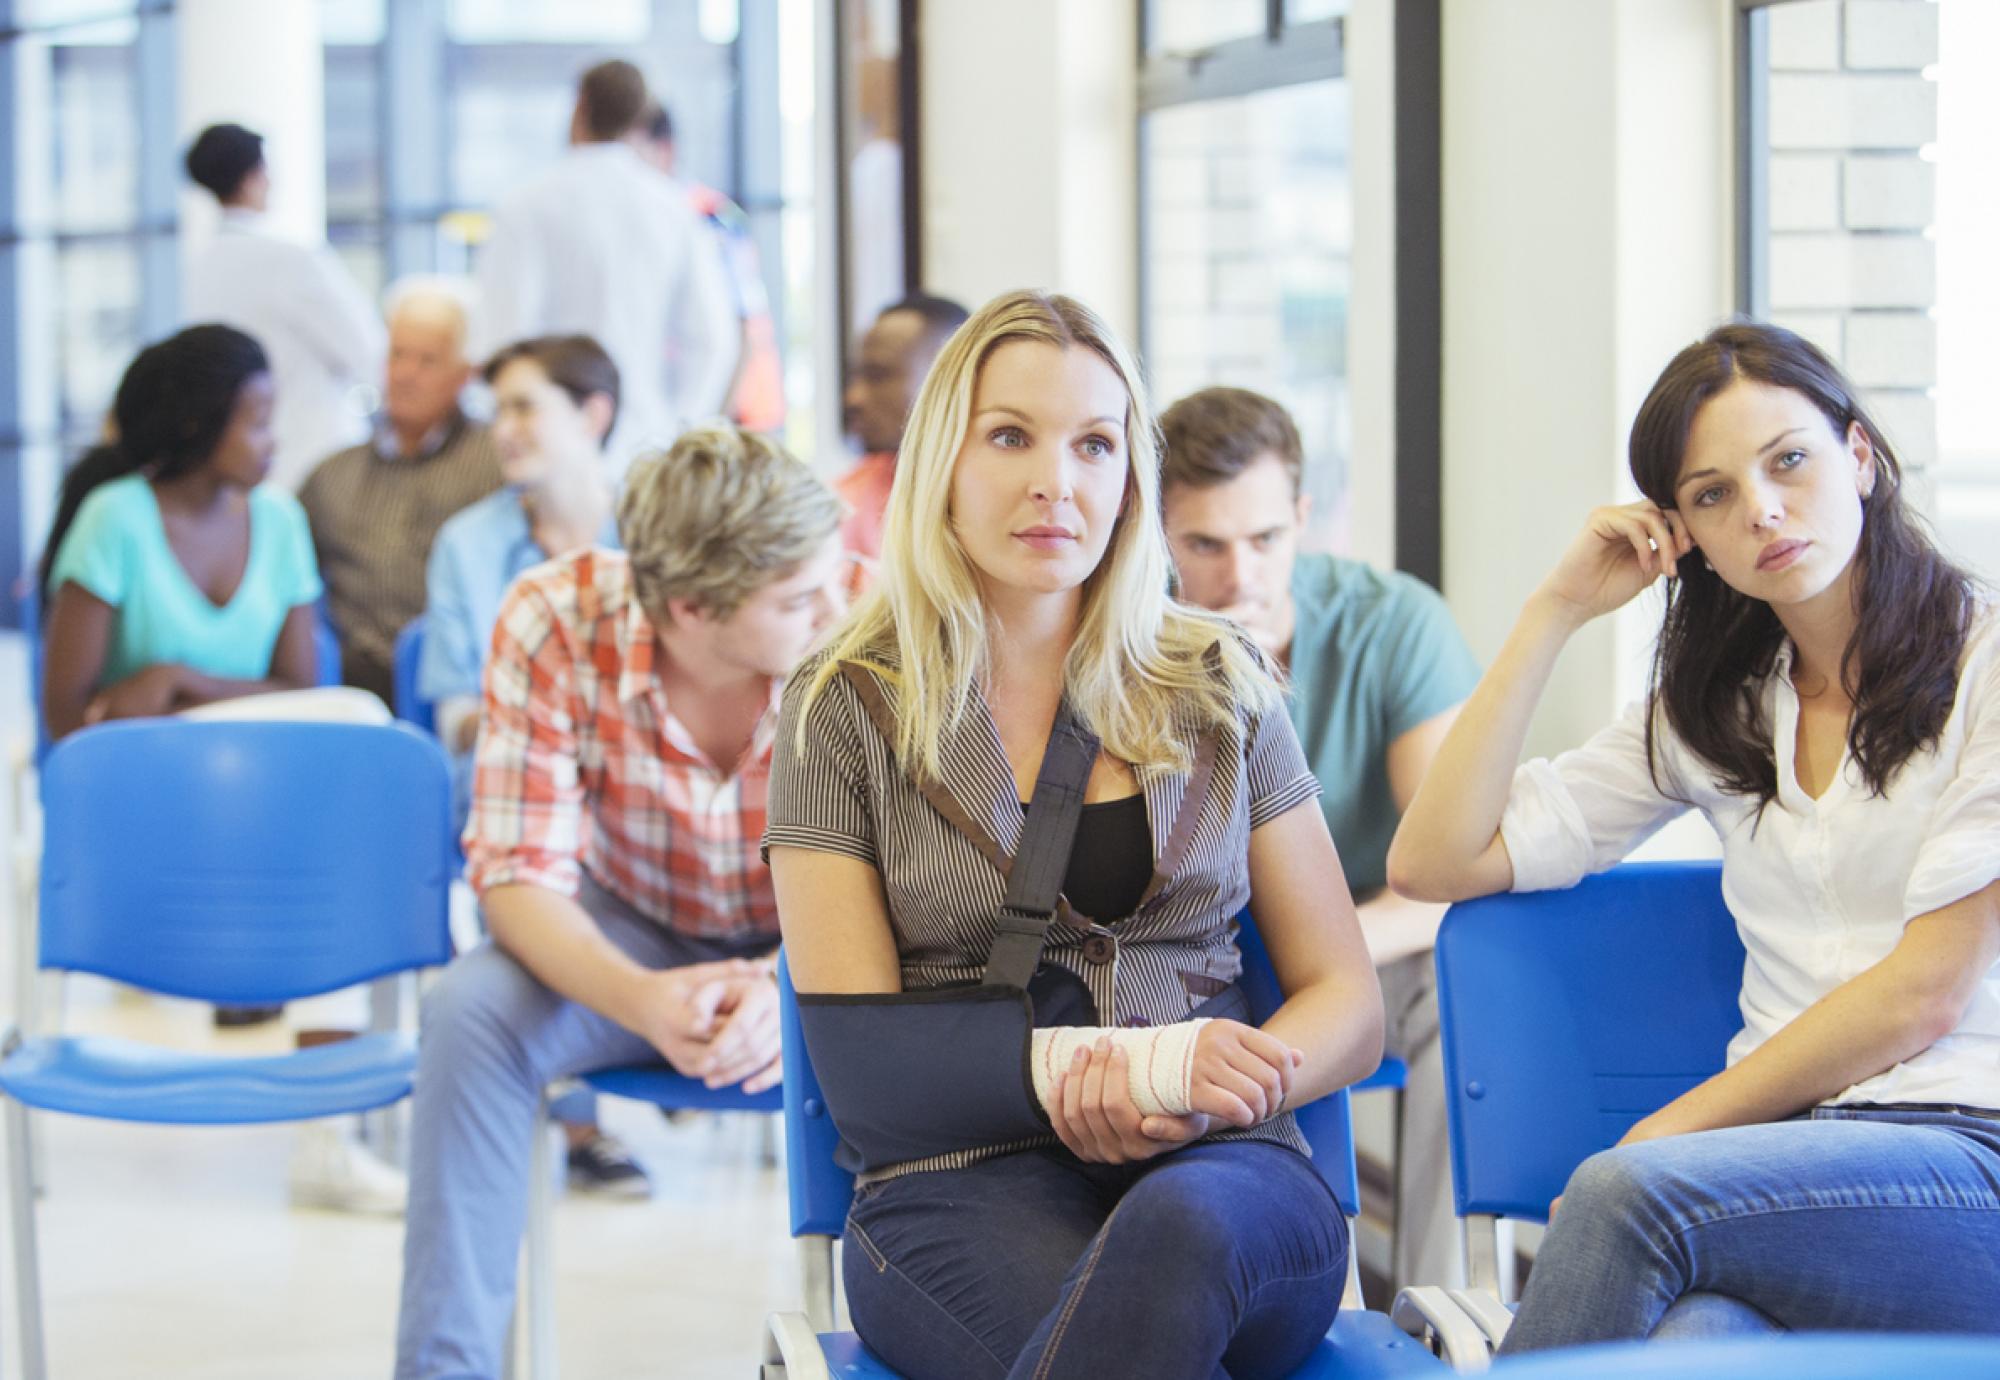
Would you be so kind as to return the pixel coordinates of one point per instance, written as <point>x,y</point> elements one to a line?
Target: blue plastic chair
<point>803,1346</point>
<point>244,863</point>
<point>326,647</point>
<point>1567,1016</point>
<point>411,707</point>
<point>1816,1356</point>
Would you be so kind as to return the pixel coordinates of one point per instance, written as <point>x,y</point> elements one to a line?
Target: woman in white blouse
<point>1826,692</point>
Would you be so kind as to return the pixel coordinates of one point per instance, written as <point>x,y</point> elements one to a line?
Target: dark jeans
<point>1218,1260</point>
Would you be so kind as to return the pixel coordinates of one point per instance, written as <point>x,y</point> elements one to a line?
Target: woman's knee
<point>1622,1181</point>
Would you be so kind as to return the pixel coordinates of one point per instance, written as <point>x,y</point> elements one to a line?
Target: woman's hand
<point>1092,1113</point>
<point>1620,551</point>
<point>1241,1075</point>
<point>143,695</point>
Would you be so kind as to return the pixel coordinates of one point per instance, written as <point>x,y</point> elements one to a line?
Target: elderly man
<point>1378,671</point>
<point>376,507</point>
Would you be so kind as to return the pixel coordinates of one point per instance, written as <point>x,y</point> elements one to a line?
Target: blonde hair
<point>1147,673</point>
<point>719,516</point>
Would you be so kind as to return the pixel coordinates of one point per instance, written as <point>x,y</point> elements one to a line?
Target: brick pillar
<point>1852,196</point>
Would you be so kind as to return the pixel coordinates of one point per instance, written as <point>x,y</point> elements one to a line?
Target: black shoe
<point>602,1165</point>
<point>235,1017</point>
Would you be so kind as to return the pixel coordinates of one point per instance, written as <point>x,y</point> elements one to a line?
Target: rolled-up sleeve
<point>1961,850</point>
<point>526,824</point>
<point>819,797</point>
<point>1275,770</point>
<point>1588,808</point>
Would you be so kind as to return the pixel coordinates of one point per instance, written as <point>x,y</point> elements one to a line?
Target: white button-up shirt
<point>323,338</point>
<point>1820,889</point>
<point>605,245</point>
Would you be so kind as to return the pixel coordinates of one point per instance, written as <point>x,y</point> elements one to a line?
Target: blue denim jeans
<point>1218,1260</point>
<point>492,1038</point>
<point>1855,1218</point>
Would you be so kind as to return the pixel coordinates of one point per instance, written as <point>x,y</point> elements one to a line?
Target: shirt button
<point>1100,948</point>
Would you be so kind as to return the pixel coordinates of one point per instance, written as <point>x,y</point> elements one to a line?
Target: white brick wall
<point>1851,109</point>
<point>1890,33</point>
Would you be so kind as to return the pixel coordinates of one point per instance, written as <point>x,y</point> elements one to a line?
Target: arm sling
<point>908,1075</point>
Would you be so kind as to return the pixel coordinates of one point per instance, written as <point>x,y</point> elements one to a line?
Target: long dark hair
<point>1716,645</point>
<point>171,411</point>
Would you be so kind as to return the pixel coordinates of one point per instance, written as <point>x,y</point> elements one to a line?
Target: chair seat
<point>1825,1356</point>
<point>128,1081</point>
<point>661,1086</point>
<point>1361,1346</point>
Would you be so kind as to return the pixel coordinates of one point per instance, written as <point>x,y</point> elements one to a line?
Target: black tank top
<point>1112,863</point>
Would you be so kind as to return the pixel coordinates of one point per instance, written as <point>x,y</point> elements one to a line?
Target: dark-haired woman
<point>1826,692</point>
<point>170,579</point>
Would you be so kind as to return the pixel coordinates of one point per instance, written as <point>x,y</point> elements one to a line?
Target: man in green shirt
<point>1378,671</point>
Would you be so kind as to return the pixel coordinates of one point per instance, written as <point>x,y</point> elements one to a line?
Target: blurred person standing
<point>603,245</point>
<point>376,507</point>
<point>895,355</point>
<point>757,396</point>
<point>313,321</point>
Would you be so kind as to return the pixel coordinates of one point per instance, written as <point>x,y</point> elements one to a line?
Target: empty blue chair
<point>1568,1016</point>
<point>411,707</point>
<point>1816,1356</point>
<point>240,863</point>
<point>804,1346</point>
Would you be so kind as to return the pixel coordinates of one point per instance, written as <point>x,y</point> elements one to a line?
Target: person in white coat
<point>323,337</point>
<point>602,244</point>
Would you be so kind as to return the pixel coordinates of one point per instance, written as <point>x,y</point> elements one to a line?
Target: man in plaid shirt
<point>618,805</point>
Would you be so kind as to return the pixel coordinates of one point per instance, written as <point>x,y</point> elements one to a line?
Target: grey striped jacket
<point>942,850</point>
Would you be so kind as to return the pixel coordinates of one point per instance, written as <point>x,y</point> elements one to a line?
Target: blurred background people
<point>322,336</point>
<point>376,507</point>
<point>604,245</point>
<point>889,368</point>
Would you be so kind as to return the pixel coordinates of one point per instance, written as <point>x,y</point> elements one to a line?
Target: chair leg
<point>1397,1226</point>
<point>540,1274</point>
<point>27,1268</point>
<point>816,1273</point>
<point>1350,1297</point>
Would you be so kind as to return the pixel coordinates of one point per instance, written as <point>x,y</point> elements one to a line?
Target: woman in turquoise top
<point>170,578</point>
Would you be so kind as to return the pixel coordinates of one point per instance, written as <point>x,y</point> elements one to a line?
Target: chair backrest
<point>31,629</point>
<point>326,647</point>
<point>245,862</point>
<point>821,1190</point>
<point>410,707</point>
<point>1569,1015</point>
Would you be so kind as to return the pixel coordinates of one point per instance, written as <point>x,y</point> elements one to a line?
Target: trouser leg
<point>1879,1221</point>
<point>1426,1229</point>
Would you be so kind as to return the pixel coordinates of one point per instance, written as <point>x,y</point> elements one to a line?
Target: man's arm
<point>1396,927</point>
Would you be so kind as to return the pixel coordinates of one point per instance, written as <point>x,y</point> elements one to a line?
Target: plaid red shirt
<point>581,764</point>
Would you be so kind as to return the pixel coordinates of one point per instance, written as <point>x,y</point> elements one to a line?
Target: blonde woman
<point>1024,568</point>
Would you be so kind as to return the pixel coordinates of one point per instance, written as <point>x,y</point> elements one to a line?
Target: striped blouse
<point>942,849</point>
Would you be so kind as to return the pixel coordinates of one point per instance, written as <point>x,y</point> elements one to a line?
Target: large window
<point>87,241</point>
<point>1245,219</point>
<point>1870,211</point>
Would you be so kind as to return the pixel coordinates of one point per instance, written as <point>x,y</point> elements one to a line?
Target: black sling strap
<point>1034,883</point>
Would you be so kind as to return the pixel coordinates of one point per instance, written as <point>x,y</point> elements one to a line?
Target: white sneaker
<point>331,1170</point>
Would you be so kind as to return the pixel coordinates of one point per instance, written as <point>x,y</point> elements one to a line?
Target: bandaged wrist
<point>1159,1062</point>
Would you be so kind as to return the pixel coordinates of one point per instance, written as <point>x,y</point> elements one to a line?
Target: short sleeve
<point>452,650</point>
<point>1960,853</point>
<point>100,552</point>
<point>1587,809</point>
<point>1274,767</point>
<point>819,797</point>
<point>298,567</point>
<point>1429,667</point>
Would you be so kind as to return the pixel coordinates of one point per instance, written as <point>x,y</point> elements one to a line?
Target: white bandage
<point>1159,1062</point>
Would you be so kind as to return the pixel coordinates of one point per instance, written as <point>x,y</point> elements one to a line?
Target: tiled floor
<point>170,1252</point>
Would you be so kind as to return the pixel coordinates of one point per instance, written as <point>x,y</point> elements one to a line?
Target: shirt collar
<point>388,448</point>
<point>635,672</point>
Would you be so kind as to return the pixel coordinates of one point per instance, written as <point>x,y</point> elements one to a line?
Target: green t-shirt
<point>1374,654</point>
<point>117,550</point>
